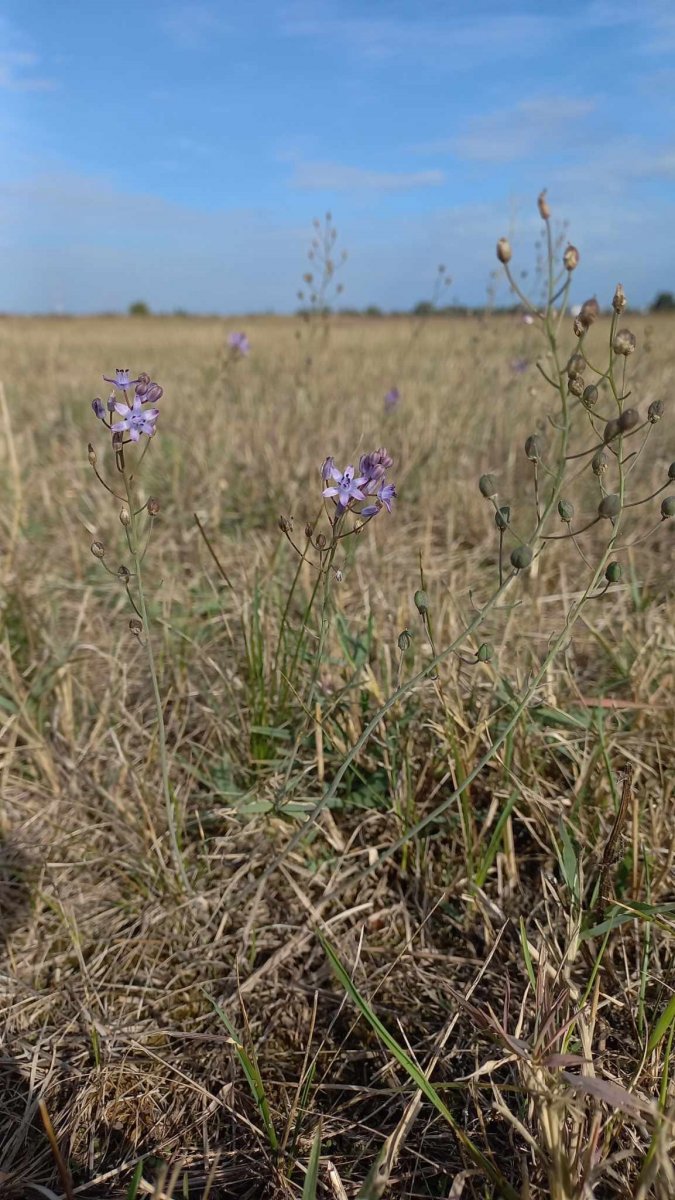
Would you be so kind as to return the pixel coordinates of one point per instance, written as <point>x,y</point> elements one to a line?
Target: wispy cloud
<point>20,66</point>
<point>340,177</point>
<point>548,125</point>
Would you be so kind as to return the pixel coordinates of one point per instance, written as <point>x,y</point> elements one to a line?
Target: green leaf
<point>312,1176</point>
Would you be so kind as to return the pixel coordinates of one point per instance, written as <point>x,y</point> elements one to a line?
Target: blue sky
<point>177,152</point>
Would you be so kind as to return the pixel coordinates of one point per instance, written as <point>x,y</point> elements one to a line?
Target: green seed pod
<point>576,365</point>
<point>97,549</point>
<point>566,510</point>
<point>668,507</point>
<point>533,448</point>
<point>610,506</point>
<point>575,385</point>
<point>589,398</point>
<point>485,652</point>
<point>404,640</point>
<point>488,486</point>
<point>624,342</point>
<point>503,517</point>
<point>629,418</point>
<point>612,430</point>
<point>613,572</point>
<point>599,463</point>
<point>521,557</point>
<point>655,411</point>
<point>421,601</point>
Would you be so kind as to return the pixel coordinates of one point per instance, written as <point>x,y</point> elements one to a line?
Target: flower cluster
<point>137,417</point>
<point>368,486</point>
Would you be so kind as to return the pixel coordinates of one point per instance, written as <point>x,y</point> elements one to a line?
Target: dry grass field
<point>519,958</point>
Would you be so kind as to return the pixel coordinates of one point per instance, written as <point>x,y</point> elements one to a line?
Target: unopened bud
<point>153,506</point>
<point>488,486</point>
<point>533,448</point>
<point>565,510</point>
<point>655,411</point>
<point>136,626</point>
<point>668,507</point>
<point>543,206</point>
<point>624,342</point>
<point>421,601</point>
<point>629,418</point>
<point>91,455</point>
<point>589,397</point>
<point>404,640</point>
<point>485,652</point>
<point>153,394</point>
<point>613,572</point>
<point>97,549</point>
<point>521,557</point>
<point>610,506</point>
<point>97,408</point>
<point>571,258</point>
<point>504,251</point>
<point>599,463</point>
<point>125,517</point>
<point>575,385</point>
<point>503,517</point>
<point>619,300</point>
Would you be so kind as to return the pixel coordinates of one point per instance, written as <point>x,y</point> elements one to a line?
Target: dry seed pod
<point>504,251</point>
<point>575,385</point>
<point>612,430</point>
<point>488,486</point>
<point>655,411</point>
<point>521,557</point>
<point>97,549</point>
<point>629,418</point>
<point>599,463</point>
<point>619,300</point>
<point>610,506</point>
<point>624,342</point>
<point>571,258</point>
<point>543,206</point>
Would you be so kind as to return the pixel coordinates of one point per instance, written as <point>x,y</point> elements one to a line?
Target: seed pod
<point>533,448</point>
<point>589,398</point>
<point>153,506</point>
<point>619,300</point>
<point>575,385</point>
<point>309,529</point>
<point>578,327</point>
<point>91,455</point>
<point>571,258</point>
<point>123,574</point>
<point>125,517</point>
<point>566,510</point>
<point>668,507</point>
<point>624,342</point>
<point>655,411</point>
<point>613,572</point>
<point>338,575</point>
<point>485,652</point>
<point>590,311</point>
<point>543,206</point>
<point>404,640</point>
<point>488,486</point>
<point>504,251</point>
<point>503,517</point>
<point>671,471</point>
<point>421,601</point>
<point>612,430</point>
<point>321,541</point>
<point>97,549</point>
<point>610,506</point>
<point>285,524</point>
<point>576,365</point>
<point>136,626</point>
<point>521,557</point>
<point>629,418</point>
<point>599,463</point>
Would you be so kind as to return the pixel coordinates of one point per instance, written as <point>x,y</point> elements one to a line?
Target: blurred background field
<point>108,975</point>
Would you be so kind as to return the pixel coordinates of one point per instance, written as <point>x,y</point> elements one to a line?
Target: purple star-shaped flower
<point>121,380</point>
<point>348,488</point>
<point>239,342</point>
<point>136,419</point>
<point>392,398</point>
<point>386,494</point>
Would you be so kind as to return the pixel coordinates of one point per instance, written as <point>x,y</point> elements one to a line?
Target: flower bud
<point>485,652</point>
<point>624,342</point>
<point>327,468</point>
<point>143,384</point>
<point>125,517</point>
<point>488,486</point>
<point>503,517</point>
<point>521,557</point>
<point>612,430</point>
<point>571,258</point>
<point>404,639</point>
<point>613,572</point>
<point>153,506</point>
<point>599,463</point>
<point>97,408</point>
<point>504,251</point>
<point>589,398</point>
<point>629,418</point>
<point>533,448</point>
<point>668,507</point>
<point>575,385</point>
<point>421,601</point>
<point>565,510</point>
<point>610,506</point>
<point>655,411</point>
<point>543,206</point>
<point>619,300</point>
<point>136,626</point>
<point>97,549</point>
<point>576,364</point>
<point>91,455</point>
<point>111,402</point>
<point>153,394</point>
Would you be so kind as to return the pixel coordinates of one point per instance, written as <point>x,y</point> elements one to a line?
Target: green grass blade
<point>312,1177</point>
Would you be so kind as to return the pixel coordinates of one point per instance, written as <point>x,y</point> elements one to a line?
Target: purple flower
<point>149,391</point>
<point>373,466</point>
<point>392,398</point>
<point>121,380</point>
<point>519,365</point>
<point>327,468</point>
<point>348,488</point>
<point>111,402</point>
<point>98,409</point>
<point>136,419</point>
<point>239,343</point>
<point>386,494</point>
<point>371,510</point>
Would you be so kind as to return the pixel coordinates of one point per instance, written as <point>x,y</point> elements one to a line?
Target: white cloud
<point>543,125</point>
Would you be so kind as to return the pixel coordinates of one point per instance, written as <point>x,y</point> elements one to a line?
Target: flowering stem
<point>134,546</point>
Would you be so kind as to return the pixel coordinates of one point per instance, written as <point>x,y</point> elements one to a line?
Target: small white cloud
<point>547,125</point>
